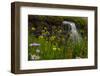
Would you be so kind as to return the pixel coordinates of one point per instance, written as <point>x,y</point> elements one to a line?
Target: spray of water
<point>74,33</point>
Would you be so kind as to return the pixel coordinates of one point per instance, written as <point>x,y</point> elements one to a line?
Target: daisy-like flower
<point>33,57</point>
<point>45,28</point>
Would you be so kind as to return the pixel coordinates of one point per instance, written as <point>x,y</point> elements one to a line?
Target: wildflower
<point>37,50</point>
<point>33,28</point>
<point>35,57</point>
<point>60,30</point>
<point>54,48</point>
<point>41,37</point>
<point>45,28</point>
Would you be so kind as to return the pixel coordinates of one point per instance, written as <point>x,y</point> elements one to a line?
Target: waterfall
<point>74,35</point>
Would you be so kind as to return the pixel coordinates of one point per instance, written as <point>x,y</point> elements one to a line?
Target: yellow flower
<point>40,37</point>
<point>60,30</point>
<point>33,28</point>
<point>54,48</point>
<point>45,28</point>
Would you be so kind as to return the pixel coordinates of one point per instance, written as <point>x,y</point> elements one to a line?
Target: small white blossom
<point>37,50</point>
<point>35,57</point>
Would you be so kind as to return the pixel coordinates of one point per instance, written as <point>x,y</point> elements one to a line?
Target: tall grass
<point>56,50</point>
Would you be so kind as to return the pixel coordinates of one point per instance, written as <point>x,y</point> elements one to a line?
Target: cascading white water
<point>74,33</point>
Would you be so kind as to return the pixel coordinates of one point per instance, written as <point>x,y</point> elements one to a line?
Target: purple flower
<point>34,44</point>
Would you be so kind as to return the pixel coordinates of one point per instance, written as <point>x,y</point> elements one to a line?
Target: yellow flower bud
<point>33,28</point>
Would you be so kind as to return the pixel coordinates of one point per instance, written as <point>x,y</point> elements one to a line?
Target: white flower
<point>35,57</point>
<point>37,50</point>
